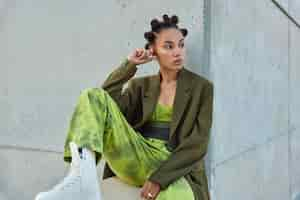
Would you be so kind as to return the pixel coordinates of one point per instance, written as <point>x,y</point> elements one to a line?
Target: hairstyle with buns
<point>157,26</point>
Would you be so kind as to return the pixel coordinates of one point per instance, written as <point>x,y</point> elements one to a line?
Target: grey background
<point>51,50</point>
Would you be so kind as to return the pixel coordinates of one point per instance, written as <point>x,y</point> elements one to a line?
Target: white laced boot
<point>81,181</point>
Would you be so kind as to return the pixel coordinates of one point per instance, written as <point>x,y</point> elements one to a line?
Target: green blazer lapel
<point>150,97</point>
<point>183,93</point>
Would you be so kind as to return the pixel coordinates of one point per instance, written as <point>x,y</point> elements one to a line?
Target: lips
<point>178,61</point>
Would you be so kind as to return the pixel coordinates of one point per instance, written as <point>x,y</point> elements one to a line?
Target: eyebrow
<point>172,41</point>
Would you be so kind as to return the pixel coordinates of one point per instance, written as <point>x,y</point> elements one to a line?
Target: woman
<point>152,134</point>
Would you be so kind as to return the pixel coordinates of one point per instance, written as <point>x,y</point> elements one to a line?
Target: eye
<point>181,45</point>
<point>168,46</point>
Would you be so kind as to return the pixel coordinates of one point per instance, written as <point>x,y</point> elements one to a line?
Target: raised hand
<point>141,56</point>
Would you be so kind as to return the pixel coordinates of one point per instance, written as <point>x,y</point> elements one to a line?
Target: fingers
<point>146,191</point>
<point>149,55</point>
<point>149,191</point>
<point>138,52</point>
<point>141,55</point>
<point>144,53</point>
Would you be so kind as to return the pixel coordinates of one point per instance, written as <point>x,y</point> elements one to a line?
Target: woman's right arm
<point>119,77</point>
<point>115,82</point>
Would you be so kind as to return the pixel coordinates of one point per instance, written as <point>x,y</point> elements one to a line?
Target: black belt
<point>158,130</point>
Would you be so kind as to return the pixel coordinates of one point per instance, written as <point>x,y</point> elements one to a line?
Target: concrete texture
<point>114,188</point>
<point>51,50</point>
<point>25,173</point>
<point>250,72</point>
<point>294,163</point>
<point>295,106</point>
<point>294,7</point>
<point>252,176</point>
<point>254,65</point>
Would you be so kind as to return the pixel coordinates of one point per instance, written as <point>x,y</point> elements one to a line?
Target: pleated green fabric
<point>98,124</point>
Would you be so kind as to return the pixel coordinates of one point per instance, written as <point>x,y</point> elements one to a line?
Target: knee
<point>93,92</point>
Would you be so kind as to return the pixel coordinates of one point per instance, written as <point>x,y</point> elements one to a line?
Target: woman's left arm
<point>192,149</point>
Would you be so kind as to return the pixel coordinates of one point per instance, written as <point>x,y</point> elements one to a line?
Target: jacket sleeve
<point>192,149</point>
<point>115,82</point>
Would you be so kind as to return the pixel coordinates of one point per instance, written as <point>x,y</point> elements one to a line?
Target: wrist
<point>130,61</point>
<point>156,183</point>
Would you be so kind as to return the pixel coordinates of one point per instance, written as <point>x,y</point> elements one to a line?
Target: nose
<point>177,52</point>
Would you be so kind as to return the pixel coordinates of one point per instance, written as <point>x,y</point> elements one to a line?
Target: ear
<point>152,48</point>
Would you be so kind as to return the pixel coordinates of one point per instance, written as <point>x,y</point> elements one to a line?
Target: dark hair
<point>157,26</point>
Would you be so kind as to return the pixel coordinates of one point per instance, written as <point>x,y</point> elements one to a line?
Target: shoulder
<point>143,81</point>
<point>198,80</point>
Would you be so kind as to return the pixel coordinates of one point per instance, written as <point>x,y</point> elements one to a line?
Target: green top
<point>162,113</point>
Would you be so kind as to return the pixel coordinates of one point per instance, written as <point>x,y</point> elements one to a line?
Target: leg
<point>81,181</point>
<point>98,124</point>
<point>178,190</point>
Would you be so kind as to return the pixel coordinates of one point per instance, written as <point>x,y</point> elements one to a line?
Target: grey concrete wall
<point>294,128</point>
<point>254,63</point>
<point>49,52</point>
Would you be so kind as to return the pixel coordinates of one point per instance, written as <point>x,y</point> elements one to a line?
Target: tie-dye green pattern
<point>98,124</point>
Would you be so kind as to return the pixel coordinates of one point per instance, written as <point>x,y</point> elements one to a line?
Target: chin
<point>173,67</point>
<point>177,67</point>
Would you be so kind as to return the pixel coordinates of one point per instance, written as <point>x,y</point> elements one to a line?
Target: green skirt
<point>98,124</point>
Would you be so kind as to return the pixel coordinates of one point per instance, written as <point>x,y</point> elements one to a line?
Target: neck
<point>168,76</point>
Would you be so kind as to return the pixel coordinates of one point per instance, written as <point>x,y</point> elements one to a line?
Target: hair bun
<point>155,24</point>
<point>149,36</point>
<point>147,46</point>
<point>174,19</point>
<point>158,25</point>
<point>184,32</point>
<point>166,18</point>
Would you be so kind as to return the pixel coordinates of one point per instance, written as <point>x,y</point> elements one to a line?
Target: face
<point>169,49</point>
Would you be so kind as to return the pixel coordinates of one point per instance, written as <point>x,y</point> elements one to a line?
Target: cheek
<point>161,54</point>
<point>165,54</point>
<point>167,58</point>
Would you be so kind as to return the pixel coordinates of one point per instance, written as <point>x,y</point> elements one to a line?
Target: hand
<point>141,56</point>
<point>150,188</point>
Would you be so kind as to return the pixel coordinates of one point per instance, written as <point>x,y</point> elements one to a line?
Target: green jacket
<point>190,126</point>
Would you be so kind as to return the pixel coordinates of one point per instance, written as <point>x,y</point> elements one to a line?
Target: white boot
<point>81,181</point>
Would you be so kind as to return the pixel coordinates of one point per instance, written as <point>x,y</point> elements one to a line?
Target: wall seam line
<point>13,147</point>
<point>251,148</point>
<point>286,13</point>
<point>289,113</point>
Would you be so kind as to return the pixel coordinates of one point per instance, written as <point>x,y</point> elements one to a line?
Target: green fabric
<point>190,127</point>
<point>162,113</point>
<point>98,124</point>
